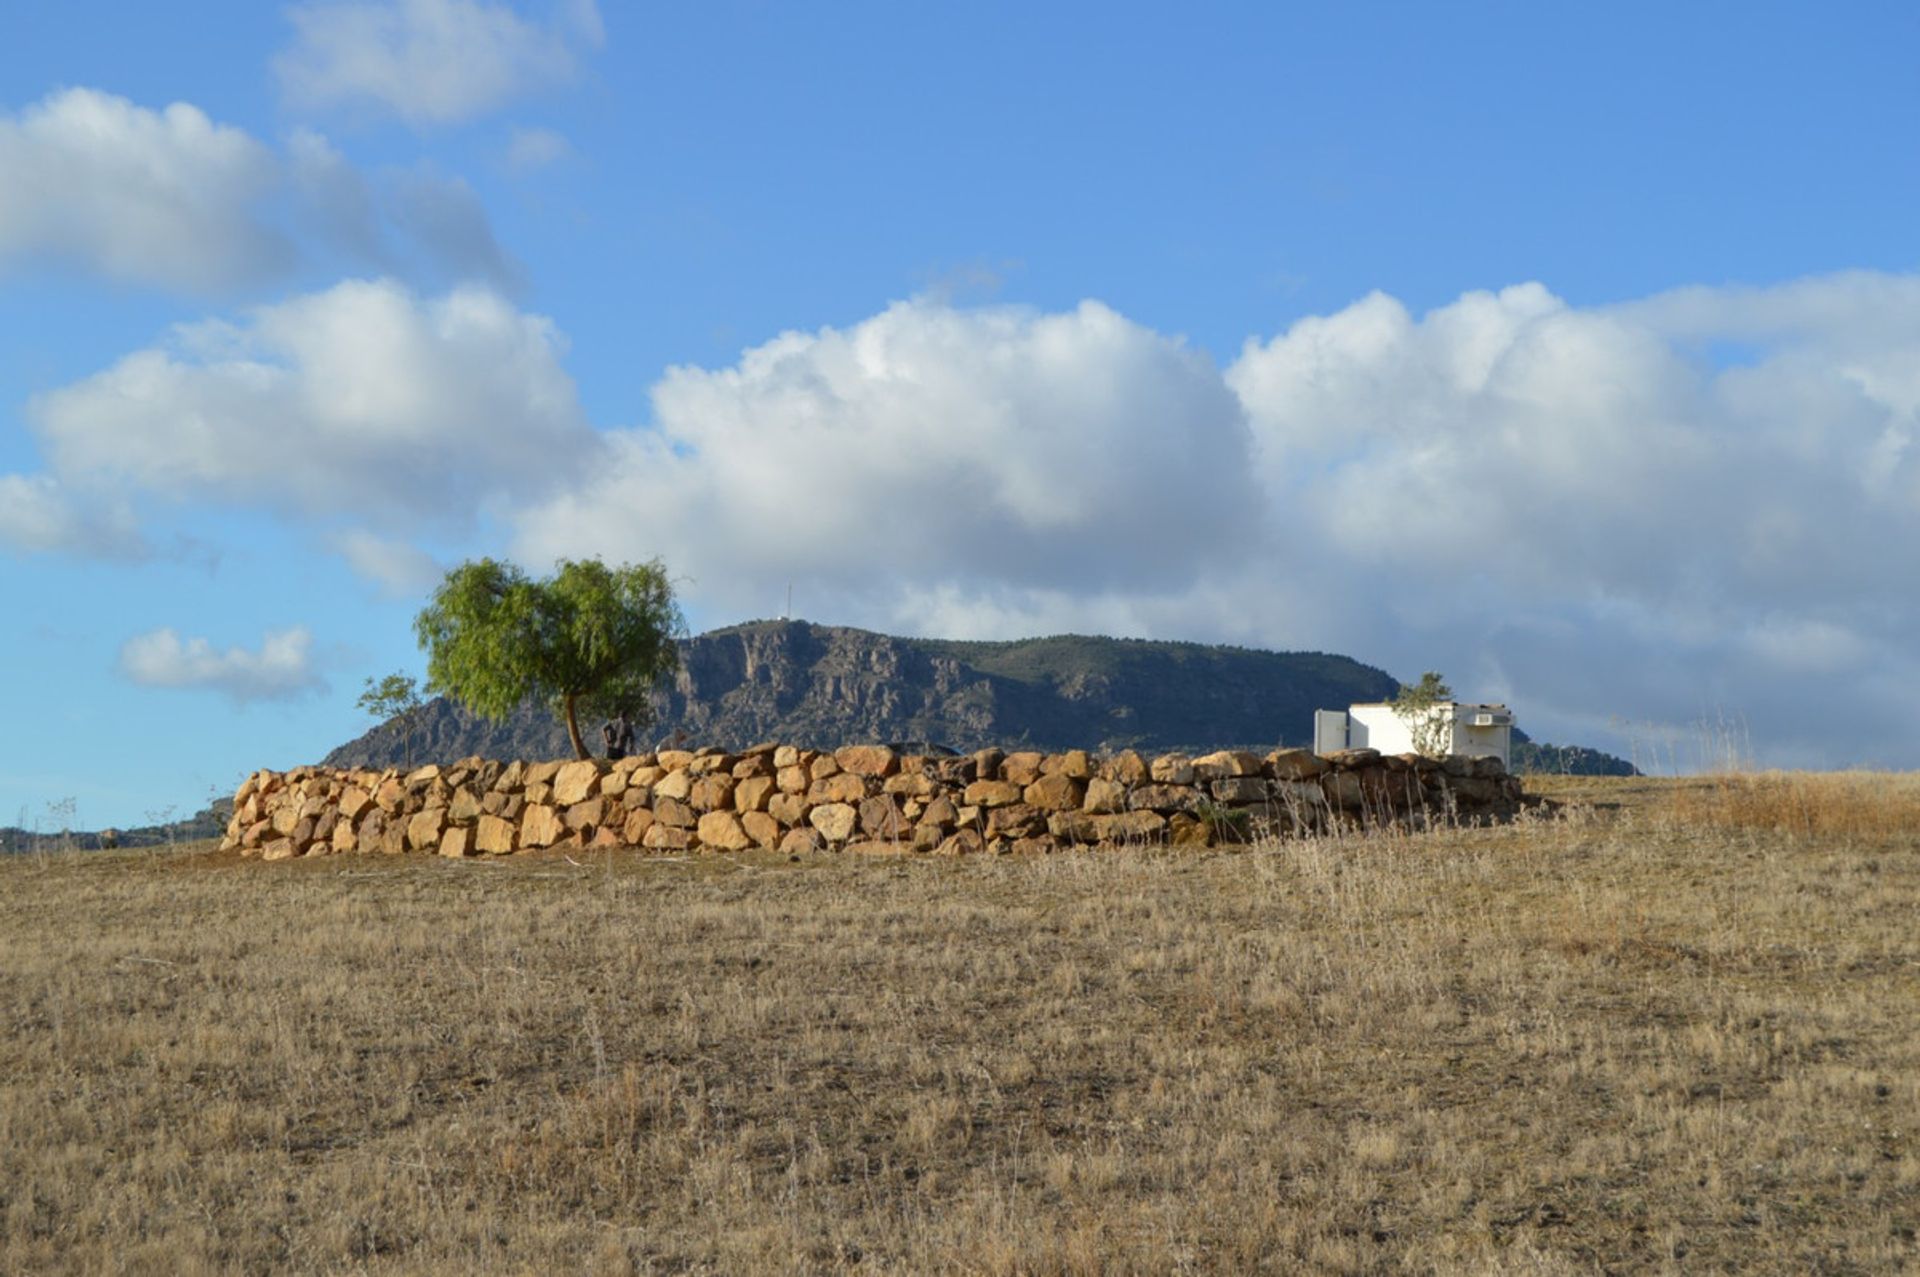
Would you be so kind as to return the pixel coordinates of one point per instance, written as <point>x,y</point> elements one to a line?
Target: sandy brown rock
<point>667,838</point>
<point>711,792</point>
<point>840,787</point>
<point>867,760</point>
<point>494,836</point>
<point>722,831</point>
<point>1104,796</point>
<point>1022,768</point>
<point>424,830</point>
<point>788,809</point>
<point>540,826</point>
<point>634,830</point>
<point>1171,769</point>
<point>1056,792</point>
<point>993,793</point>
<point>673,813</point>
<point>753,793</point>
<point>835,821</point>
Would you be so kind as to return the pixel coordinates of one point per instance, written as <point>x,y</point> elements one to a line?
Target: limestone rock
<point>677,785</point>
<point>762,828</point>
<point>540,826</point>
<point>1022,768</point>
<point>711,792</point>
<point>1171,769</point>
<point>1240,789</point>
<point>788,809</point>
<point>867,760</point>
<point>1017,820</point>
<point>880,818</point>
<point>753,793</point>
<point>667,838</point>
<point>1163,798</point>
<point>1132,827</point>
<point>835,821</point>
<point>353,801</point>
<point>1226,763</point>
<point>586,815</point>
<point>673,813</point>
<point>801,841</point>
<point>1055,792</point>
<point>638,821</point>
<point>1295,764</point>
<point>840,787</point>
<point>456,842</point>
<point>1104,796</point>
<point>994,793</point>
<point>493,836</point>
<point>424,830</point>
<point>965,842</point>
<point>721,831</point>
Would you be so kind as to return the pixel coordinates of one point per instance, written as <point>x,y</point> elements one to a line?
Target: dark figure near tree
<point>618,735</point>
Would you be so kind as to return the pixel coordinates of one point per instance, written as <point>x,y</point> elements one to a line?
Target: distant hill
<point>823,686</point>
<point>1533,758</point>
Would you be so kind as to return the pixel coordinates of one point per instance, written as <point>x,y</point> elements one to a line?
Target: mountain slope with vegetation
<point>822,686</point>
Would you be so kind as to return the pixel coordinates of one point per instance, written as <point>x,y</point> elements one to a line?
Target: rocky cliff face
<point>823,686</point>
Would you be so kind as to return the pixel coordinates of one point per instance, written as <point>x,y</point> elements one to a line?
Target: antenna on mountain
<point>789,615</point>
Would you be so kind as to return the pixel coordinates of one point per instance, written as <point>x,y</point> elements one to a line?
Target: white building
<point>1476,731</point>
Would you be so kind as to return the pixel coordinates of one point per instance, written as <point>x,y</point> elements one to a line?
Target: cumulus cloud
<point>1626,520</point>
<point>985,451</point>
<point>365,401</point>
<point>155,197</point>
<point>282,669</point>
<point>39,516</point>
<point>169,198</point>
<point>429,62</point>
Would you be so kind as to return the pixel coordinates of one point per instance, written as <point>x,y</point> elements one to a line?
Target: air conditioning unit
<point>1491,720</point>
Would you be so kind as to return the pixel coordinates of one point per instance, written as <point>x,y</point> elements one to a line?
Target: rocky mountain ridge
<point>821,686</point>
<point>824,686</point>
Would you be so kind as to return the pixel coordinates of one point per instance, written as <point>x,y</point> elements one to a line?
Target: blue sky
<point>1567,349</point>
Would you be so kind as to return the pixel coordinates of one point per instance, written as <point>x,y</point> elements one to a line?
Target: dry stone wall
<point>863,798</point>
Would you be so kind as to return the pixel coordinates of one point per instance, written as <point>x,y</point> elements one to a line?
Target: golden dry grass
<point>1648,1038</point>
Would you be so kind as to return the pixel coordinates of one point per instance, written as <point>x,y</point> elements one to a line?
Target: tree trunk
<point>573,729</point>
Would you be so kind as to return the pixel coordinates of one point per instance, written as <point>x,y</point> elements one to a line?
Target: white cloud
<point>282,669</point>
<point>980,450</point>
<point>139,196</point>
<point>169,198</point>
<point>399,569</point>
<point>1609,515</point>
<point>429,62</point>
<point>38,515</point>
<point>531,149</point>
<point>364,401</point>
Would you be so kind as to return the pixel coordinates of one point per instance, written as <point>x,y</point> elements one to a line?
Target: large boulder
<point>722,831</point>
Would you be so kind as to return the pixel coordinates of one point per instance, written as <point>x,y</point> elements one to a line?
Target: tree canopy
<point>1415,704</point>
<point>395,696</point>
<point>589,637</point>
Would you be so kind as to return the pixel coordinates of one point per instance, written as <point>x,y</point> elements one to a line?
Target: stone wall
<point>863,798</point>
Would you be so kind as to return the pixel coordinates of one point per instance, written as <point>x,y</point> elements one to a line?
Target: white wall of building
<point>1379,726</point>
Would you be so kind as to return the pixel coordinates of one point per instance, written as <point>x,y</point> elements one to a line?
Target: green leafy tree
<point>395,696</point>
<point>589,637</point>
<point>1414,705</point>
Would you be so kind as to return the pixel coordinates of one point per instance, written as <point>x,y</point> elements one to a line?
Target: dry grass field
<point>1678,1030</point>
